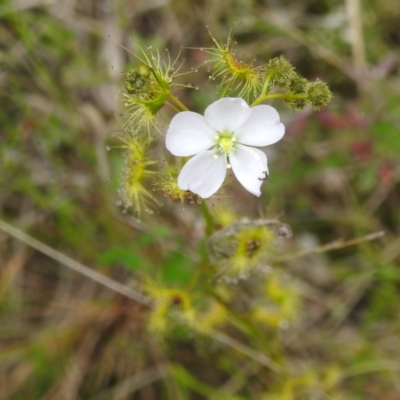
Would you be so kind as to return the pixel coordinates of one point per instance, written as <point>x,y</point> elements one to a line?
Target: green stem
<point>246,325</point>
<point>178,102</point>
<point>208,219</point>
<point>258,101</point>
<point>230,84</point>
<point>286,96</point>
<point>195,278</point>
<point>261,99</point>
<point>266,84</point>
<point>173,107</point>
<point>225,90</point>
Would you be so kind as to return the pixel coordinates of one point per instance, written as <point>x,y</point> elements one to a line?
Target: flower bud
<point>280,72</point>
<point>135,82</point>
<point>319,94</point>
<point>144,71</point>
<point>298,86</point>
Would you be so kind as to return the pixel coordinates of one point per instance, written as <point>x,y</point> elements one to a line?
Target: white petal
<point>250,167</point>
<point>262,128</point>
<point>203,174</point>
<point>227,114</point>
<point>188,134</point>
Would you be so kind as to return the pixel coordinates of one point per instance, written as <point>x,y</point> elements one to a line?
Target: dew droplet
<point>108,148</point>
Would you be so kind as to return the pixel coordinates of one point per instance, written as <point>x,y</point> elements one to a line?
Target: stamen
<point>225,142</point>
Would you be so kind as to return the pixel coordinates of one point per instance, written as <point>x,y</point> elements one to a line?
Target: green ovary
<point>226,143</point>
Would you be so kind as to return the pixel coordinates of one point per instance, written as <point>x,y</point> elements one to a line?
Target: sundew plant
<point>190,159</point>
<point>194,212</point>
<point>222,139</point>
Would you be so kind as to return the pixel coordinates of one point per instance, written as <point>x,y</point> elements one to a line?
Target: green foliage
<point>128,257</point>
<point>387,141</point>
<point>177,269</point>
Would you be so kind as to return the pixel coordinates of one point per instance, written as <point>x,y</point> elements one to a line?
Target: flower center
<point>225,142</point>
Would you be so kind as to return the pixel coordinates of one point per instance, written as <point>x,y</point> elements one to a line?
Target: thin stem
<point>178,102</point>
<point>339,244</point>
<point>368,368</point>
<point>258,101</point>
<point>208,219</point>
<point>286,96</point>
<point>266,84</point>
<point>262,98</point>
<point>225,90</point>
<point>196,277</point>
<point>255,355</point>
<point>173,107</point>
<point>356,33</point>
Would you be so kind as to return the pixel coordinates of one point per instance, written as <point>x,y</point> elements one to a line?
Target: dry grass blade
<point>338,244</point>
<point>74,265</point>
<point>128,292</point>
<point>281,22</point>
<point>20,5</point>
<point>356,34</point>
<point>255,355</point>
<point>125,388</point>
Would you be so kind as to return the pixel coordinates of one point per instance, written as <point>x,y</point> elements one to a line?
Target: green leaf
<point>128,257</point>
<point>158,233</point>
<point>177,269</point>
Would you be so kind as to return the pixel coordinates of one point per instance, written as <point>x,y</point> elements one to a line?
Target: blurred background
<point>335,175</point>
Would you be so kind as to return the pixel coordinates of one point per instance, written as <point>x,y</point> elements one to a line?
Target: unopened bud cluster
<point>138,81</point>
<point>299,91</point>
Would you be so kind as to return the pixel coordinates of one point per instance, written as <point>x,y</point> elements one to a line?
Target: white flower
<point>221,140</point>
